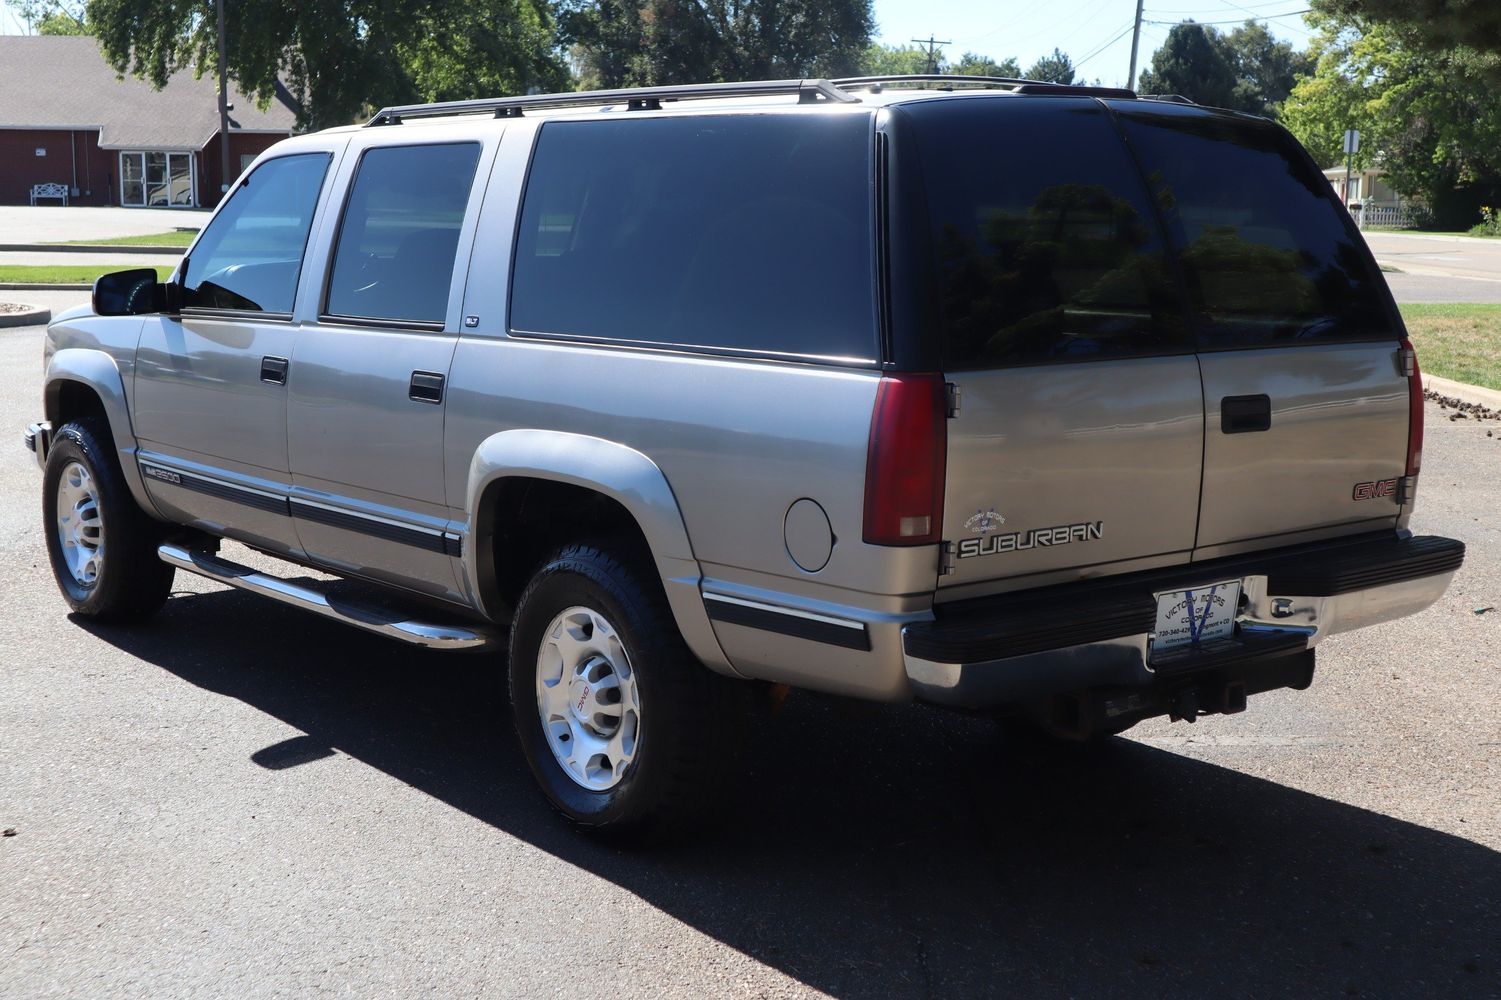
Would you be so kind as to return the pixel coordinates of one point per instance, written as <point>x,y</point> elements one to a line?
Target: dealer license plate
<point>1188,617</point>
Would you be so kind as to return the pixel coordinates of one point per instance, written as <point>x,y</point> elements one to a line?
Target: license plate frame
<point>1189,616</point>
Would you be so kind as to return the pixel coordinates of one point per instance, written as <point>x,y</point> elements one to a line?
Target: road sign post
<point>1352,146</point>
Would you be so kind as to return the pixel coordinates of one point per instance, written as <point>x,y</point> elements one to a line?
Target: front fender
<point>626,476</point>
<point>97,370</point>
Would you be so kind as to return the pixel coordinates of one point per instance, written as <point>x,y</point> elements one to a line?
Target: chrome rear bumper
<point>952,660</point>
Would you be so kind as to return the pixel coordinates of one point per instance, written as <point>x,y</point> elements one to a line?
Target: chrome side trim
<point>791,612</point>
<point>297,595</point>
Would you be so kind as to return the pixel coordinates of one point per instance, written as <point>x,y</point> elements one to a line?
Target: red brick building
<point>66,118</point>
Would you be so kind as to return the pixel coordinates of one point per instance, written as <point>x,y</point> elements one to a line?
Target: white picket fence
<point>1399,216</point>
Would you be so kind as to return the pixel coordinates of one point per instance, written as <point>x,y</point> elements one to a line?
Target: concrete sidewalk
<point>56,224</point>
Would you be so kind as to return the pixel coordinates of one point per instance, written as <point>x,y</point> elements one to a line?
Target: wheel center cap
<point>580,699</point>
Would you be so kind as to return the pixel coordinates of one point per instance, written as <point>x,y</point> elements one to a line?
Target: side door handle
<point>426,387</point>
<point>1245,414</point>
<point>274,370</point>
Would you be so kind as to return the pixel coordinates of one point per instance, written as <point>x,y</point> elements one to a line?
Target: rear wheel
<point>624,730</point>
<point>101,544</point>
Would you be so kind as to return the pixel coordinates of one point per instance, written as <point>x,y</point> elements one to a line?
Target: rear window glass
<point>400,232</point>
<point>746,232</point>
<point>1045,245</point>
<point>1268,256</point>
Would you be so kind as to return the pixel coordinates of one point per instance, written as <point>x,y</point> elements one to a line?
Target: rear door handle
<point>426,387</point>
<point>274,370</point>
<point>1245,414</point>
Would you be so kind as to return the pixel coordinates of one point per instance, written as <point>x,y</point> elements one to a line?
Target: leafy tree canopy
<point>339,58</point>
<point>892,60</point>
<point>1246,70</point>
<point>54,17</point>
<point>1056,68</point>
<point>1431,25</point>
<point>1430,120</point>
<point>618,43</point>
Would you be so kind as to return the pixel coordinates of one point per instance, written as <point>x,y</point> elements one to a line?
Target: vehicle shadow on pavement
<point>905,852</point>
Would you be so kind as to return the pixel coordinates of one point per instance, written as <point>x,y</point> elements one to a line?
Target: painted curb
<point>31,317</point>
<point>1463,392</point>
<point>120,250</point>
<point>37,286</point>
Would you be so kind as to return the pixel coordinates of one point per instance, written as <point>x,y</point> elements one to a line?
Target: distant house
<point>1366,187</point>
<point>66,118</point>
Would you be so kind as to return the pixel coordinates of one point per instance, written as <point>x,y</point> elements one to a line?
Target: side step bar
<point>391,624</point>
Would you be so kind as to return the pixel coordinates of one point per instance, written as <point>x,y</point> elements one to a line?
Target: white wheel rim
<point>80,530</point>
<point>587,699</point>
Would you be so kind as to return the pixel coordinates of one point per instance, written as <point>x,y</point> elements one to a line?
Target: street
<point>241,800</point>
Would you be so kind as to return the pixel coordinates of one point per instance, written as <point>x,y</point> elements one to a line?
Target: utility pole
<point>1135,41</point>
<point>930,44</point>
<point>223,107</point>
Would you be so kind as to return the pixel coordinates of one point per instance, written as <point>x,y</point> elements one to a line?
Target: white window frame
<point>141,154</point>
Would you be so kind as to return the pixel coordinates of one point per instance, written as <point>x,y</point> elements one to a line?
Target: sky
<point>1095,33</point>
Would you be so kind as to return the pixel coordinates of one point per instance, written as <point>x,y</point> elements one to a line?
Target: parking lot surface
<point>240,800</point>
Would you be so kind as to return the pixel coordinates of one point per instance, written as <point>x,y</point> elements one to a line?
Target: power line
<point>1237,20</point>
<point>1123,33</point>
<point>931,44</point>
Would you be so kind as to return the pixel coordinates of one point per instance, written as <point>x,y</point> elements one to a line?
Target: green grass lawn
<point>1462,342</point>
<point>172,239</point>
<point>64,275</point>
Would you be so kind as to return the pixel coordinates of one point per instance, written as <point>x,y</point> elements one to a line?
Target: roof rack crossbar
<point>876,81</point>
<point>635,98</point>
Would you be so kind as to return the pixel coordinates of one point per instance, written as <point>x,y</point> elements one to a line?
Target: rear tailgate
<point>1307,403</point>
<point>1077,442</point>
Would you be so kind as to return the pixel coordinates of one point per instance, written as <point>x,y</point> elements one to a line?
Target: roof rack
<point>1018,86</point>
<point>1169,98</point>
<point>876,82</point>
<point>635,98</point>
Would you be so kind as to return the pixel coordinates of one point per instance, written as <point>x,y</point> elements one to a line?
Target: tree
<point>55,17</point>
<point>974,64</point>
<point>1192,63</point>
<point>616,43</point>
<point>1435,26</point>
<point>1430,120</point>
<point>1266,70</point>
<point>897,60</point>
<point>339,58</point>
<point>1246,70</point>
<point>1056,68</point>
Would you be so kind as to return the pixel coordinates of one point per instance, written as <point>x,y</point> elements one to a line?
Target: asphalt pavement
<point>241,800</point>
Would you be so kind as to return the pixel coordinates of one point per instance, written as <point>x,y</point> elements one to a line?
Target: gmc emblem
<point>1370,491</point>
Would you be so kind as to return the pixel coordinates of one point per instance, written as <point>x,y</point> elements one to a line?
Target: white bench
<point>49,191</point>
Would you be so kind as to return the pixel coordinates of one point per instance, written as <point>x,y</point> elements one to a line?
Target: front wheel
<point>101,544</point>
<point>621,726</point>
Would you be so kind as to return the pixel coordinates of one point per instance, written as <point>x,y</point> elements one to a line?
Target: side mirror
<point>129,293</point>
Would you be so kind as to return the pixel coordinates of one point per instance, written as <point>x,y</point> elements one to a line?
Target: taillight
<point>1414,407</point>
<point>904,466</point>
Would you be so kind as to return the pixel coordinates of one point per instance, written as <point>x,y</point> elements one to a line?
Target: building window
<point>156,179</point>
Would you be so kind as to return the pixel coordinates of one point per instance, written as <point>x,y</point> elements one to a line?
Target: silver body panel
<point>709,453</point>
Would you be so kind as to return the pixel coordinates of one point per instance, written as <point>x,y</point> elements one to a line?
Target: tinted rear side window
<point>747,232</point>
<point>1045,246</point>
<point>1268,256</point>
<point>400,232</point>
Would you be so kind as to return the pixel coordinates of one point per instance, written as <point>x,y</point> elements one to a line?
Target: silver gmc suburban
<point>1042,401</point>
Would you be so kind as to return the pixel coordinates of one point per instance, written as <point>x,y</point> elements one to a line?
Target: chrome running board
<point>392,624</point>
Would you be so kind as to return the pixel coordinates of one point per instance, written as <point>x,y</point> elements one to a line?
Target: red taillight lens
<point>1414,409</point>
<point>904,467</point>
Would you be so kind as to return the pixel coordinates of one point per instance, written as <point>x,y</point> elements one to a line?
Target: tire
<point>101,544</point>
<point>645,724</point>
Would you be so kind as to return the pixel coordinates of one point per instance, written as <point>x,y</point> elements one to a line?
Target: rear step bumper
<point>309,598</point>
<point>1013,648</point>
